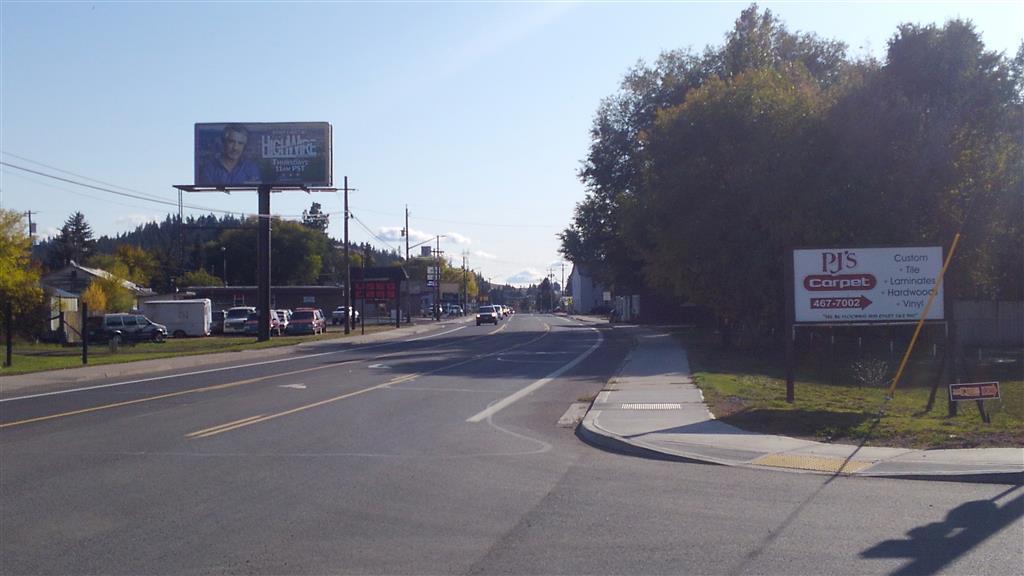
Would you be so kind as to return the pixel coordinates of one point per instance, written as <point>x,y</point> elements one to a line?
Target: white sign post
<point>876,285</point>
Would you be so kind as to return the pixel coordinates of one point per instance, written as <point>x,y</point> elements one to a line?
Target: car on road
<point>234,320</point>
<point>488,315</point>
<point>307,321</point>
<point>125,327</point>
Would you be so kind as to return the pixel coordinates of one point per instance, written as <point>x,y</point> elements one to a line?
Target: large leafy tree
<point>928,145</point>
<point>199,278</point>
<point>19,276</point>
<point>726,171</point>
<point>115,296</point>
<point>704,170</point>
<point>138,265</point>
<point>295,256</point>
<point>613,170</point>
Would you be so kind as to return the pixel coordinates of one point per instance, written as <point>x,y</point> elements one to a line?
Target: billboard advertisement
<point>248,154</point>
<point>841,285</point>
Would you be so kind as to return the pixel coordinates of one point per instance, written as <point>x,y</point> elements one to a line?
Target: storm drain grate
<point>641,406</point>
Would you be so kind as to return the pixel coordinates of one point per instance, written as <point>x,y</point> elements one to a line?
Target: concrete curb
<point>655,434</point>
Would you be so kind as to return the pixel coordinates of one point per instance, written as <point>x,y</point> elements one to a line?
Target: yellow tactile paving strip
<point>815,463</point>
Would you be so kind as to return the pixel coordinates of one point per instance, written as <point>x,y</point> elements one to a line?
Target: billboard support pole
<point>348,270</point>
<point>263,264</point>
<point>789,333</point>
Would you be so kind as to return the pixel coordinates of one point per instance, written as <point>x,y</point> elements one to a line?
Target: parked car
<point>252,324</point>
<point>283,318</point>
<point>234,321</point>
<point>338,315</point>
<point>307,321</point>
<point>488,315</point>
<point>217,321</point>
<point>126,327</point>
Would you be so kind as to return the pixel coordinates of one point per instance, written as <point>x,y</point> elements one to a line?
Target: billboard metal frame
<point>790,304</point>
<point>262,241</point>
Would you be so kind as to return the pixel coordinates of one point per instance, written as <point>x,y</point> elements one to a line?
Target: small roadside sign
<point>974,391</point>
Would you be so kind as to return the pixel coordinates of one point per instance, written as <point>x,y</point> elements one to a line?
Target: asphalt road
<point>425,457</point>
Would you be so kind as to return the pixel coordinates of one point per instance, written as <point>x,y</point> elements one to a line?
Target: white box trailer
<point>182,317</point>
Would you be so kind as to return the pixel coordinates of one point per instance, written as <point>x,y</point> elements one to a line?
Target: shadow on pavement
<point>932,547</point>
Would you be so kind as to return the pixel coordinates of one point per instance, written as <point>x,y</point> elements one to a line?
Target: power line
<point>139,196</point>
<point>37,163</point>
<point>374,235</point>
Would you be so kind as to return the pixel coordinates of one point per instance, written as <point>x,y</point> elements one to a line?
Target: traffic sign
<point>974,391</point>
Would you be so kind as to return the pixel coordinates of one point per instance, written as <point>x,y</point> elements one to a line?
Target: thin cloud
<point>457,238</point>
<point>133,220</point>
<point>394,234</point>
<point>525,277</point>
<point>485,255</point>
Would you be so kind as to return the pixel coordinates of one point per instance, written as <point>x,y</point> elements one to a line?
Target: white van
<point>182,317</point>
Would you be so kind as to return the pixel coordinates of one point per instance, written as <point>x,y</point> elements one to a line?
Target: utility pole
<point>31,228</point>
<point>406,232</point>
<point>348,271</point>
<point>437,282</point>
<point>181,232</point>
<point>551,289</point>
<point>465,284</point>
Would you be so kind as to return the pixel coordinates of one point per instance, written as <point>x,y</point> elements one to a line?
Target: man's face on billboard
<point>234,144</point>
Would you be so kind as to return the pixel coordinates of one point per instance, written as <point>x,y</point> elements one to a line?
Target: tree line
<point>704,169</point>
<point>173,254</point>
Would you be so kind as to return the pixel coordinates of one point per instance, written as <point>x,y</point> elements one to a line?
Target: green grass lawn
<point>840,396</point>
<point>30,357</point>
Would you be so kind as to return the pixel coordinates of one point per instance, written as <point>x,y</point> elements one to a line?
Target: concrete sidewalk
<point>652,408</point>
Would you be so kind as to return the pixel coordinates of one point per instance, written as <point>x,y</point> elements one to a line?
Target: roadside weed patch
<point>845,401</point>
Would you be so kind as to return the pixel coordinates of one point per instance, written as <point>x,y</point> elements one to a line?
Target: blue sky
<point>474,114</point>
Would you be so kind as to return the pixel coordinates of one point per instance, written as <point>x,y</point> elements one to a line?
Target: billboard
<point>248,154</point>
<point>840,285</point>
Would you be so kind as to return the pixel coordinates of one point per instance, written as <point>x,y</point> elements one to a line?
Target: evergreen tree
<point>74,243</point>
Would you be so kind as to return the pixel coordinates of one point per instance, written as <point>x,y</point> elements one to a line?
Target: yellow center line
<point>203,431</point>
<point>257,419</point>
<point>214,430</point>
<point>168,395</point>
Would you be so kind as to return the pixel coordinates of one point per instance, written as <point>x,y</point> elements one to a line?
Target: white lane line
<point>509,400</point>
<point>433,335</point>
<point>210,371</point>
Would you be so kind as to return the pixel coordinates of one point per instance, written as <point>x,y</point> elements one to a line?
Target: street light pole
<point>224,255</point>
<point>437,282</point>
